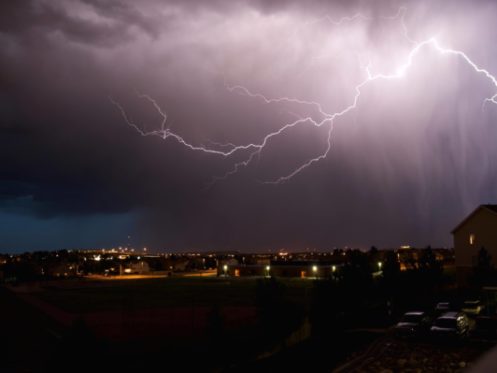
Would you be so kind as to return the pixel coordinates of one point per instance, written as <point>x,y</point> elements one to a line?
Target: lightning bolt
<point>166,133</point>
<point>326,120</point>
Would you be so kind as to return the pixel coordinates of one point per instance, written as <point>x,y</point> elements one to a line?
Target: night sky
<point>414,155</point>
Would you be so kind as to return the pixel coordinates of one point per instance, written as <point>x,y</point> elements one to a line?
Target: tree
<point>429,265</point>
<point>326,312</point>
<point>484,271</point>
<point>357,272</point>
<point>278,316</point>
<point>484,260</point>
<point>391,267</point>
<point>374,257</point>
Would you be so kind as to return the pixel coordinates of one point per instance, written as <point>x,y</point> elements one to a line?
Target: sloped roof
<point>491,208</point>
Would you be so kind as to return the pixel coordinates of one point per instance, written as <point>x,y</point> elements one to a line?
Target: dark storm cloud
<point>404,167</point>
<point>35,19</point>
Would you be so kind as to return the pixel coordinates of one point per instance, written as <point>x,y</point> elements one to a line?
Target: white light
<point>471,239</point>
<point>314,268</point>
<point>268,268</point>
<point>333,268</point>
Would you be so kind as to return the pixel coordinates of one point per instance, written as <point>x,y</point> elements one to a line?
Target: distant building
<point>296,269</point>
<point>60,269</point>
<point>478,230</point>
<point>139,267</point>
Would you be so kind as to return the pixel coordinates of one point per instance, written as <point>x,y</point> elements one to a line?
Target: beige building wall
<point>479,230</point>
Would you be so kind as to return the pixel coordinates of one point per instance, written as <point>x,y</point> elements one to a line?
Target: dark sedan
<point>413,323</point>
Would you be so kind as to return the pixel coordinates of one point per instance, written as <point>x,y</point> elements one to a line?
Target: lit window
<point>471,239</point>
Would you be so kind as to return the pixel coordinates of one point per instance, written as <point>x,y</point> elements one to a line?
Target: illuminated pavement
<point>210,273</point>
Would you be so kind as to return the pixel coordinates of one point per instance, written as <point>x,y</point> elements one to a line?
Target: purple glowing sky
<point>408,156</point>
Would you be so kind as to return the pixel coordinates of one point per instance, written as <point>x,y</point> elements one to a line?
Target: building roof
<point>491,208</point>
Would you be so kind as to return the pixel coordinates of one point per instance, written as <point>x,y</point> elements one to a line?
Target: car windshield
<point>412,318</point>
<point>443,305</point>
<point>446,323</point>
<point>470,304</point>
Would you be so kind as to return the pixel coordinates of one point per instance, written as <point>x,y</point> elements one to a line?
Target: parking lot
<point>420,342</point>
<point>390,354</point>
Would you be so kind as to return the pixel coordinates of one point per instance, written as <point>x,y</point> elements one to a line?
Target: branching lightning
<point>250,151</point>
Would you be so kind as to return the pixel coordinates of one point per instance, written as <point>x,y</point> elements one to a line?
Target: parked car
<point>485,327</point>
<point>442,307</point>
<point>413,323</point>
<point>451,324</point>
<point>472,307</point>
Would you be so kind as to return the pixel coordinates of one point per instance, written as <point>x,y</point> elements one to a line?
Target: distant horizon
<point>151,251</point>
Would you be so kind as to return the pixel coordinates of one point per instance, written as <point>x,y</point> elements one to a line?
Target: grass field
<point>92,296</point>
